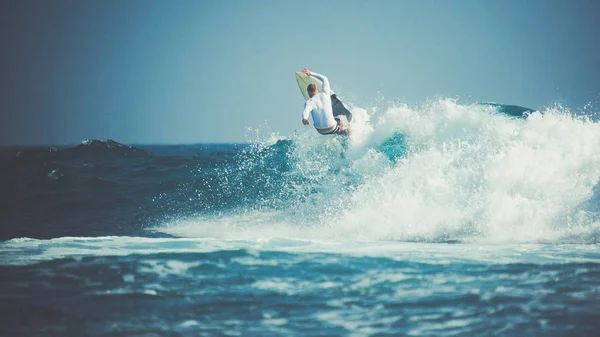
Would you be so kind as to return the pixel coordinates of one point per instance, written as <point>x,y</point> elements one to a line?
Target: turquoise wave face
<point>511,110</point>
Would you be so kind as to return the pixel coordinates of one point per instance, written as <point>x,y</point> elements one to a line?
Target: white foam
<point>474,173</point>
<point>42,250</point>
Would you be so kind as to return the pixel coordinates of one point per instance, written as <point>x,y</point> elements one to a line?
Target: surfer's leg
<point>342,128</point>
<point>339,109</point>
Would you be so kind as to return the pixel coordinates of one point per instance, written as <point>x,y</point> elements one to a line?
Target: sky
<point>179,72</point>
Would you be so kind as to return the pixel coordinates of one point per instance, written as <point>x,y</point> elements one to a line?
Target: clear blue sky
<point>141,71</point>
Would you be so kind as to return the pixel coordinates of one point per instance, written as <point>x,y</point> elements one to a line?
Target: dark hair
<point>312,88</point>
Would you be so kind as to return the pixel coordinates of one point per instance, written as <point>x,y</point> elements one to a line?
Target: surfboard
<point>338,106</point>
<point>303,81</point>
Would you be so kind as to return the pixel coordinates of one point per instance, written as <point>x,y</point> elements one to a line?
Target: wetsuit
<point>319,107</point>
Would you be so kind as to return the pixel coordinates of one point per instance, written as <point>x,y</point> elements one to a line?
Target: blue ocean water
<point>441,220</point>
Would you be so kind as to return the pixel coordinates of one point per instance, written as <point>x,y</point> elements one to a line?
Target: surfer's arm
<point>307,109</point>
<point>324,79</point>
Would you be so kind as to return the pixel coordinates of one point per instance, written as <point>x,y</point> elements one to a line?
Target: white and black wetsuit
<point>319,107</point>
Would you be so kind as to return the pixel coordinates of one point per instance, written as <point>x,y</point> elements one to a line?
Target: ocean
<point>439,220</point>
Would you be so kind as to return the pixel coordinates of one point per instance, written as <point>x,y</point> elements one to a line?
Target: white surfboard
<point>304,80</point>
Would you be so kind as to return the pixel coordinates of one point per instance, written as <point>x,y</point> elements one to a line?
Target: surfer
<point>319,107</point>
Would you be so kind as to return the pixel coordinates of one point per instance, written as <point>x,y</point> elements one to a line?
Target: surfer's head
<point>312,89</point>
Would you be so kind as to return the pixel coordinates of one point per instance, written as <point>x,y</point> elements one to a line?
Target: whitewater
<point>445,172</point>
<point>441,219</point>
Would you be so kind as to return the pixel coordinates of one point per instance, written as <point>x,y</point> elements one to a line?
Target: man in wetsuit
<point>319,107</point>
